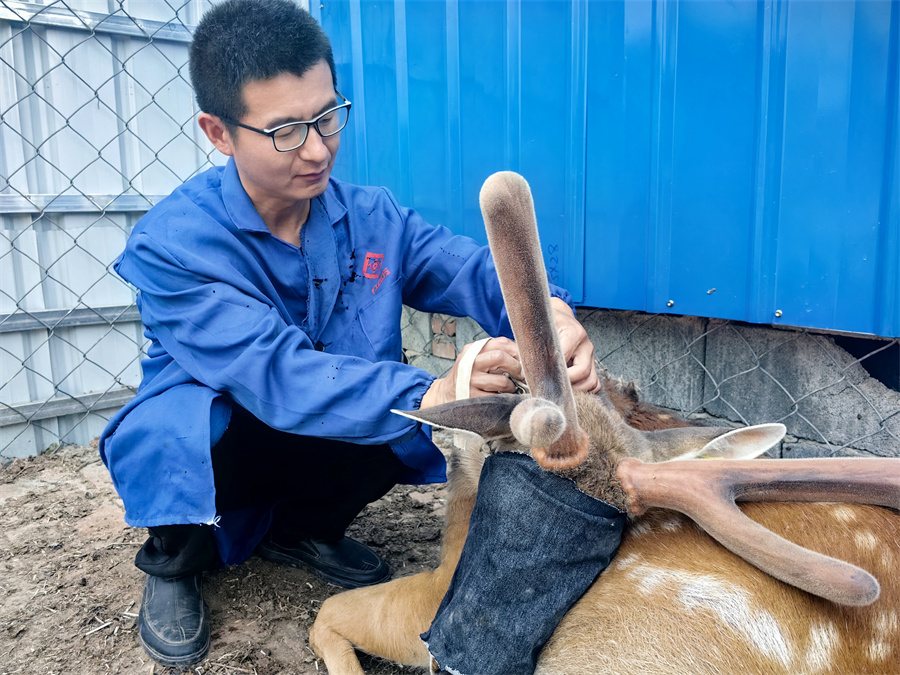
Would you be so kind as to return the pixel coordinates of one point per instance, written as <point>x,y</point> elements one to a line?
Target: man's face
<point>272,177</point>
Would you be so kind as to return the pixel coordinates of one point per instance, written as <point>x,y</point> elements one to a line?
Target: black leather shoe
<point>173,624</point>
<point>345,563</point>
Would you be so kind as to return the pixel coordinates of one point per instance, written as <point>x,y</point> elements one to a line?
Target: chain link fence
<point>837,395</point>
<point>97,124</point>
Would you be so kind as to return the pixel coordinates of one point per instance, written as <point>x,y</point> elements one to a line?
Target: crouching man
<point>271,297</point>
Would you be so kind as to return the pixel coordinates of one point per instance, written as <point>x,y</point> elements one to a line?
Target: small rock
<point>421,498</point>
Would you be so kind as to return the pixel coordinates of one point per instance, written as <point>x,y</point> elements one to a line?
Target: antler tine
<point>706,491</point>
<point>509,217</point>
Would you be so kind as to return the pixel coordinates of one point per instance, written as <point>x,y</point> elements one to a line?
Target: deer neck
<point>459,512</point>
<point>465,470</point>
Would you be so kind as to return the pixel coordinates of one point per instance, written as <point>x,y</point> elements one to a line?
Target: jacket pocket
<point>380,321</point>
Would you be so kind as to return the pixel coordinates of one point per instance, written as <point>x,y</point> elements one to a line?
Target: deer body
<point>673,601</point>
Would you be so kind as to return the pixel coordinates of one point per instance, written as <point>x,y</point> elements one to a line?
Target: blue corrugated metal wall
<point>735,159</point>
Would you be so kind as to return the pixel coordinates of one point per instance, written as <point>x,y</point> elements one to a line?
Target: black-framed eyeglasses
<point>290,136</point>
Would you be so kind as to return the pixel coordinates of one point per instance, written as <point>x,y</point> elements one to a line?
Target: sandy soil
<point>70,594</point>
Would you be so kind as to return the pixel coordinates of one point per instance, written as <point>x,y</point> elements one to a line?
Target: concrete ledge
<point>729,373</point>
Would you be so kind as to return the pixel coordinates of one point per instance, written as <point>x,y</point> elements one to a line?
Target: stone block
<point>416,331</point>
<point>662,354</point>
<point>434,365</point>
<point>443,324</point>
<point>467,332</point>
<point>805,381</point>
<point>797,448</point>
<point>444,347</point>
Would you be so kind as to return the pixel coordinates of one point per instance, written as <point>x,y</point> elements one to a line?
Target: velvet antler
<point>706,491</point>
<point>509,217</point>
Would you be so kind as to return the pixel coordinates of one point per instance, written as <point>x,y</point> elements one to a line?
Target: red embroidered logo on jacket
<point>384,274</point>
<point>372,265</point>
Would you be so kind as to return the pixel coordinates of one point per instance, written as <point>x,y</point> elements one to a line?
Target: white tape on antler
<point>464,368</point>
<point>462,439</point>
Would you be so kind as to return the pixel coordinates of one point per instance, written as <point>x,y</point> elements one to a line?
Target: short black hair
<point>241,41</point>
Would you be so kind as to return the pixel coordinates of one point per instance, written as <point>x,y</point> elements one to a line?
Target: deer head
<point>635,470</point>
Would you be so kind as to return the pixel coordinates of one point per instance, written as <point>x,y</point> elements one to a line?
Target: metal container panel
<point>445,94</point>
<point>736,160</point>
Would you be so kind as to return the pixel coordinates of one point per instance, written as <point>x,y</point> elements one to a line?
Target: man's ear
<point>217,133</point>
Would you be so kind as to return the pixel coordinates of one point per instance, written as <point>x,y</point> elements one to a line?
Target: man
<point>271,296</point>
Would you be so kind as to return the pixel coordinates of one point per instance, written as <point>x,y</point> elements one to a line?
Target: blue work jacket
<point>306,339</point>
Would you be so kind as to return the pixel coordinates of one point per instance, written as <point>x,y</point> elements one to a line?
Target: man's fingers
<point>502,344</point>
<point>490,383</point>
<point>498,362</point>
<point>581,364</point>
<point>590,383</point>
<point>499,358</point>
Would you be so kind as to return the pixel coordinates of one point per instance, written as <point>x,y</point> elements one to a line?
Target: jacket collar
<point>245,216</point>
<point>237,202</point>
<point>317,236</point>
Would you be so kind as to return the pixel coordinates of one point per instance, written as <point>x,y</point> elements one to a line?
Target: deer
<point>729,564</point>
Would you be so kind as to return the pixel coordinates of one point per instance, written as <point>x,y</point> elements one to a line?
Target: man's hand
<point>499,357</point>
<point>576,347</point>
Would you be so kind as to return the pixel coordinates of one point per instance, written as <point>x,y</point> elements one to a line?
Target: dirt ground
<point>70,594</point>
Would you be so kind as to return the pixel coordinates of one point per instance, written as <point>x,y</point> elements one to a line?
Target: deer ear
<point>744,443</point>
<point>487,416</point>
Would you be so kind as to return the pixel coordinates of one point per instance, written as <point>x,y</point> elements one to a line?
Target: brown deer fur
<point>672,602</point>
